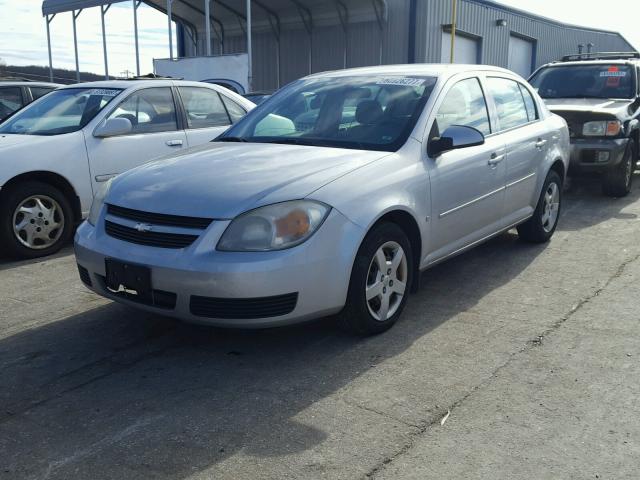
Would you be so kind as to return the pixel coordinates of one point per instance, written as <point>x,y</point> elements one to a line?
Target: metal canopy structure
<point>206,22</point>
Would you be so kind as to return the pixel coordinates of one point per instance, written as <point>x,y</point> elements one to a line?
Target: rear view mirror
<point>113,127</point>
<point>453,138</point>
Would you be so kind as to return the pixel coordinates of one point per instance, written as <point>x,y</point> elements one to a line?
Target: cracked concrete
<point>533,349</point>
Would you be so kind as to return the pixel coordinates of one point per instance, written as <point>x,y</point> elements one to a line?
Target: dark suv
<point>598,94</point>
<point>15,93</point>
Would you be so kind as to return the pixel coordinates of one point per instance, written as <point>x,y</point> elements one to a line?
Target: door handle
<point>541,143</point>
<point>174,143</point>
<point>495,159</point>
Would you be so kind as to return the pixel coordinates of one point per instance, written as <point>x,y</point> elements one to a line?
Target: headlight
<point>98,201</point>
<point>601,129</point>
<point>274,227</point>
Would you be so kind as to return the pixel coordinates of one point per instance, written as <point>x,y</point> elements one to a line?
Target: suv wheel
<point>617,182</point>
<point>540,227</point>
<point>36,219</point>
<point>380,281</point>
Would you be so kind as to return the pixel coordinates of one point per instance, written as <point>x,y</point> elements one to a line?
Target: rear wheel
<point>36,219</point>
<point>617,182</point>
<point>540,227</point>
<point>380,281</point>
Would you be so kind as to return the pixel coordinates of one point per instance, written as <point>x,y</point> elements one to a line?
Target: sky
<point>23,39</point>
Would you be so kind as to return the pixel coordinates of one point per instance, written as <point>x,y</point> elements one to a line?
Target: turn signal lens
<point>613,128</point>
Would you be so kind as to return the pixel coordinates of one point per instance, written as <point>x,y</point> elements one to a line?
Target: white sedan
<point>57,151</point>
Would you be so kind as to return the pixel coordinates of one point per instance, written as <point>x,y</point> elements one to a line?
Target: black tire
<point>617,181</point>
<point>12,198</point>
<point>356,317</point>
<point>536,230</point>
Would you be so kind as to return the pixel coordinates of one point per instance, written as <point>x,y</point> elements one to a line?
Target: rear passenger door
<point>155,132</point>
<point>467,185</point>
<point>526,139</point>
<point>206,115</point>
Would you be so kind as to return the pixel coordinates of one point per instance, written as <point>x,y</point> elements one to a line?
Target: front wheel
<point>540,227</point>
<point>381,279</point>
<point>35,220</point>
<point>617,182</point>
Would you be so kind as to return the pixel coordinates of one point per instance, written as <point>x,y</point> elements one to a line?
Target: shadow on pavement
<point>115,393</point>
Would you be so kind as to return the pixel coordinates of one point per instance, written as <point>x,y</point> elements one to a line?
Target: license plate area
<point>129,280</point>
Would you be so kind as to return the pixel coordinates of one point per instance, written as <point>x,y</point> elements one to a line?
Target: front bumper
<point>318,271</point>
<point>596,155</point>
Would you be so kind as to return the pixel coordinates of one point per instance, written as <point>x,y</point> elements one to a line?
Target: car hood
<point>589,105</point>
<point>221,180</point>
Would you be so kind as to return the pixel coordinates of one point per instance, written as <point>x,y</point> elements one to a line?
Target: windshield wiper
<point>231,139</point>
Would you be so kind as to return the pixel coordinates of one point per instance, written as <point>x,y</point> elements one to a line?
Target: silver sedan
<point>330,198</point>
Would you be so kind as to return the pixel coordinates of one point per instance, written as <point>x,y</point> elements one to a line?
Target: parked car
<point>58,151</point>
<point>272,224</point>
<point>15,93</point>
<point>599,97</point>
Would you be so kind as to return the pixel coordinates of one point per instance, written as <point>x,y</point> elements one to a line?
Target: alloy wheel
<point>551,207</point>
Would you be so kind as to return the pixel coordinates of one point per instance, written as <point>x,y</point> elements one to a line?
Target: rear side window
<point>529,103</point>
<point>203,107</point>
<point>236,112</point>
<point>38,92</point>
<point>10,100</point>
<point>464,105</point>
<point>510,104</point>
<point>150,110</point>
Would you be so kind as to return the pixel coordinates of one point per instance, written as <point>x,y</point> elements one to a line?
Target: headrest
<point>454,103</point>
<point>369,112</point>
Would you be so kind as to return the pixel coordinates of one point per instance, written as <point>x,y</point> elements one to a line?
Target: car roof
<point>126,84</point>
<point>577,63</point>
<point>27,83</point>
<point>427,69</point>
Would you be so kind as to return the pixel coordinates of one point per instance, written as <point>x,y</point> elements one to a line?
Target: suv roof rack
<point>153,76</point>
<point>601,56</point>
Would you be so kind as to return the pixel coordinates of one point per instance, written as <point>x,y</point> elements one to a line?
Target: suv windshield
<point>585,81</point>
<point>363,112</point>
<point>62,111</point>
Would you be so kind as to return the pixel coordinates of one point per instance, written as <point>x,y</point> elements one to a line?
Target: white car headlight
<point>274,227</point>
<point>605,128</point>
<point>98,202</point>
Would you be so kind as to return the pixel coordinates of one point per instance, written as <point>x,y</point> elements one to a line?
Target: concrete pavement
<point>533,349</point>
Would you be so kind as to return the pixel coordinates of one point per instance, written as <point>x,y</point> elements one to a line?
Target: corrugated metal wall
<point>364,40</point>
<point>552,40</point>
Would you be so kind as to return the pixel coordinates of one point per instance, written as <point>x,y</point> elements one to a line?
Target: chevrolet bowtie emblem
<point>143,227</point>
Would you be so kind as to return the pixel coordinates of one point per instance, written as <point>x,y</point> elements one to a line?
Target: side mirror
<point>113,127</point>
<point>453,138</point>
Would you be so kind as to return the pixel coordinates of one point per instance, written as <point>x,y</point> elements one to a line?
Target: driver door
<point>155,132</point>
<point>467,185</point>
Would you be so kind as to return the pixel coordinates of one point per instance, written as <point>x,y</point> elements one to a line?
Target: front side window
<point>10,100</point>
<point>150,110</point>
<point>64,111</point>
<point>585,81</point>
<point>509,101</point>
<point>464,105</point>
<point>370,112</point>
<point>203,107</point>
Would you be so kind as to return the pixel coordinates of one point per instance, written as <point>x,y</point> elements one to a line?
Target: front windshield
<point>585,81</point>
<point>364,112</point>
<point>62,111</point>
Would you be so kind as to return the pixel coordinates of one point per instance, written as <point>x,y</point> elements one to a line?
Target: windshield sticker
<point>401,81</point>
<point>104,92</point>
<point>613,73</point>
